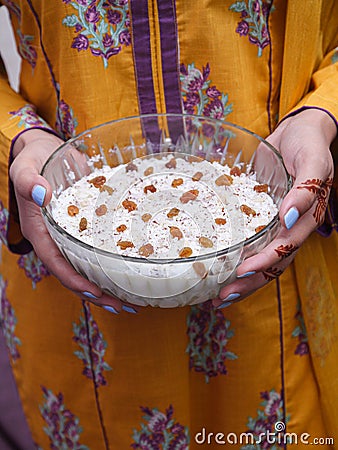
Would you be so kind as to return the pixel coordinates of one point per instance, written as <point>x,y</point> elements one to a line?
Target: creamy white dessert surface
<point>168,207</point>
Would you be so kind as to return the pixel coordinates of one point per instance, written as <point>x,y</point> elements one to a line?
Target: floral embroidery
<point>8,322</point>
<point>63,427</point>
<point>209,333</point>
<point>26,50</point>
<point>199,97</point>
<point>254,17</point>
<point>160,432</point>
<point>33,267</point>
<point>93,348</point>
<point>300,333</point>
<point>272,412</point>
<point>101,26</point>
<point>66,123</point>
<point>28,117</point>
<point>3,223</point>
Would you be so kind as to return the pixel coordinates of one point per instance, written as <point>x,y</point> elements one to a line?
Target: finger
<point>311,189</point>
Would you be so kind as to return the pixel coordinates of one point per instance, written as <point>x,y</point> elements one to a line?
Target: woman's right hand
<point>31,150</point>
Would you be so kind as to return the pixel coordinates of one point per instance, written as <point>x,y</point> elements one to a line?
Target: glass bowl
<point>167,281</point>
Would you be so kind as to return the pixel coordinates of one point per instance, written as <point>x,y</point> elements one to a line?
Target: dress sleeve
<point>16,116</point>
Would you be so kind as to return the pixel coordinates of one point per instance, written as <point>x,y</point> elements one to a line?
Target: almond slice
<point>98,182</point>
<point>129,205</point>
<point>176,233</point>
<point>224,180</point>
<point>247,210</point>
<point>197,176</point>
<point>185,252</point>
<point>220,221</point>
<point>189,196</point>
<point>177,182</point>
<point>101,210</point>
<point>173,212</point>
<point>205,242</point>
<point>131,167</point>
<point>146,217</point>
<point>146,250</point>
<point>148,171</point>
<point>150,188</point>
<point>261,188</point>
<point>171,164</point>
<point>83,224</point>
<point>125,244</point>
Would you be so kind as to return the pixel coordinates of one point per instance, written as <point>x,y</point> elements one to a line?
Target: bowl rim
<point>215,254</point>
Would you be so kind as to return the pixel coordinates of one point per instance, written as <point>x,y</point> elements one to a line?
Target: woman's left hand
<point>304,143</point>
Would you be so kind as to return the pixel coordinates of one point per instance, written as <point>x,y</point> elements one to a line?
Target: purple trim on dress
<point>282,351</point>
<point>143,67</point>
<point>268,102</point>
<point>170,65</point>
<point>24,246</point>
<point>95,384</point>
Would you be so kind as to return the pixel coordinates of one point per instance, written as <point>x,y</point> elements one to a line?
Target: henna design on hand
<point>321,189</point>
<point>283,251</point>
<point>272,273</point>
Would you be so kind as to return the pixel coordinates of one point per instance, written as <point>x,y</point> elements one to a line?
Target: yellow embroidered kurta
<point>92,380</point>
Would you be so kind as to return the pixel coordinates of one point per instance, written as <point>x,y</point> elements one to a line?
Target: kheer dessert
<point>169,206</point>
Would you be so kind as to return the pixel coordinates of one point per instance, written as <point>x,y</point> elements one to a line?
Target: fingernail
<point>129,309</point>
<point>89,295</point>
<point>110,309</point>
<point>228,299</point>
<point>246,274</point>
<point>291,217</point>
<point>38,194</point>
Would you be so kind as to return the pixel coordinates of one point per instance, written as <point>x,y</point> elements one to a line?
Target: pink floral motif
<point>209,333</point>
<point>270,413</point>
<point>3,223</point>
<point>66,123</point>
<point>93,347</point>
<point>199,97</point>
<point>103,27</point>
<point>33,267</point>
<point>300,333</point>
<point>62,426</point>
<point>28,117</point>
<point>160,431</point>
<point>8,322</point>
<point>253,23</point>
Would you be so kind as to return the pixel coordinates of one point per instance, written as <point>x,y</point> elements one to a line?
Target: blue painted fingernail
<point>129,309</point>
<point>228,299</point>
<point>246,274</point>
<point>110,309</point>
<point>291,217</point>
<point>89,295</point>
<point>38,194</point>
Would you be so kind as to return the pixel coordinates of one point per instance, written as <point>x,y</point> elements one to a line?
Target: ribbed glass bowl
<point>162,282</point>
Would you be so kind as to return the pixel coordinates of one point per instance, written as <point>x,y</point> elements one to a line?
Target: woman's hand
<point>303,141</point>
<point>31,150</point>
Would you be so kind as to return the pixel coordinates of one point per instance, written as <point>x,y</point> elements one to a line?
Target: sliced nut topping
<point>235,171</point>
<point>171,164</point>
<point>146,217</point>
<point>146,250</point>
<point>98,182</point>
<point>173,212</point>
<point>148,171</point>
<point>185,252</point>
<point>129,205</point>
<point>261,188</point>
<point>177,182</point>
<point>101,210</point>
<point>260,228</point>
<point>205,242</point>
<point>197,176</point>
<point>176,233</point>
<point>131,167</point>
<point>121,228</point>
<point>224,180</point>
<point>150,188</point>
<point>220,221</point>
<point>193,158</point>
<point>247,210</point>
<point>200,269</point>
<point>72,210</point>
<point>106,188</point>
<point>83,224</point>
<point>189,196</point>
<point>125,244</point>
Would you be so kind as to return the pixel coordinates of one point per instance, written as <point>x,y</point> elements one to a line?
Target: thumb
<point>28,183</point>
<point>310,192</point>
